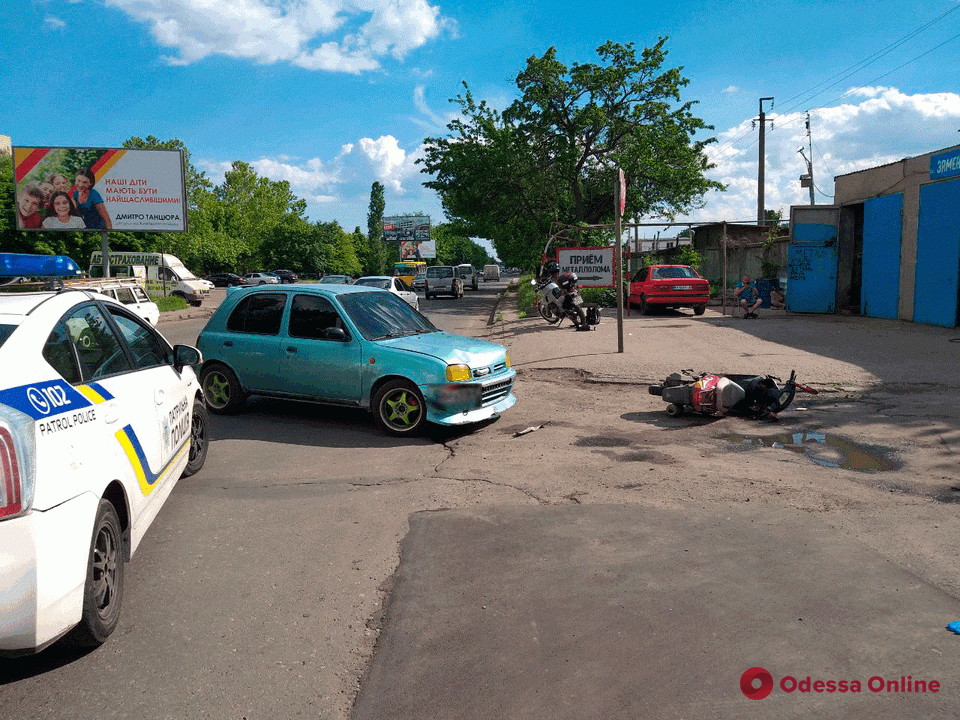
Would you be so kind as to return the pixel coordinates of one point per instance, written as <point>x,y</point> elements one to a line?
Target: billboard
<point>99,189</point>
<point>593,265</point>
<point>412,232</point>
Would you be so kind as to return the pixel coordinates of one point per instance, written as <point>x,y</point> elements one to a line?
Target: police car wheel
<point>221,389</point>
<point>103,589</point>
<point>198,439</point>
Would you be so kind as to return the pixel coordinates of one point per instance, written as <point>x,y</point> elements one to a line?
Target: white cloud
<point>873,126</point>
<point>339,188</point>
<point>391,163</point>
<point>54,23</point>
<point>333,35</point>
<point>730,89</point>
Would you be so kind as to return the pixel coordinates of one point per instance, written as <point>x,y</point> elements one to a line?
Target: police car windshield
<point>5,332</point>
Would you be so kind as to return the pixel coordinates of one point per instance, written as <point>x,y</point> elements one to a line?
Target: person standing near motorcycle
<point>748,297</point>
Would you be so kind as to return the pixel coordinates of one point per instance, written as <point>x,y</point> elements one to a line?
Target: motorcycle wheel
<point>674,409</point>
<point>547,312</point>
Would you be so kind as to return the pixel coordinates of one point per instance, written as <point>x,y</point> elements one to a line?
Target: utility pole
<point>763,148</point>
<point>807,180</point>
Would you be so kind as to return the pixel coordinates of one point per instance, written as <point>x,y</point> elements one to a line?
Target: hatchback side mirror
<point>184,355</point>
<point>334,333</point>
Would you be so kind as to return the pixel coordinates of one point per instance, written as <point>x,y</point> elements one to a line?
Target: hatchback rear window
<point>260,313</point>
<point>436,272</point>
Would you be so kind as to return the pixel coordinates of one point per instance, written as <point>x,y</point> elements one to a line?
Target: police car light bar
<point>20,265</point>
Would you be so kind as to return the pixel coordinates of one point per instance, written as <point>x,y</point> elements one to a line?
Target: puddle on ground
<point>825,450</point>
<point>602,441</point>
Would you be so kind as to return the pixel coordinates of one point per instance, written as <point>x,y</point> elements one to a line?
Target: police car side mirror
<point>184,355</point>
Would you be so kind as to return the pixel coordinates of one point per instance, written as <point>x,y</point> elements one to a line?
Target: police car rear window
<point>5,332</point>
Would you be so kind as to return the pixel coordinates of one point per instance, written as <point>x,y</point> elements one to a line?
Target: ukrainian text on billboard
<point>99,189</point>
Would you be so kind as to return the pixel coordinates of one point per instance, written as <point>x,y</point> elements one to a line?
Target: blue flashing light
<point>20,265</point>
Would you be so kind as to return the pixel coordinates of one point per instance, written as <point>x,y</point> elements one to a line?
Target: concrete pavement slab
<point>614,611</point>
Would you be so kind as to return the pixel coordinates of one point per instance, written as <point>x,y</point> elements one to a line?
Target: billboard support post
<point>105,249</point>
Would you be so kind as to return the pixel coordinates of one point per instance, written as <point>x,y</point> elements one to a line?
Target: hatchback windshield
<point>383,315</point>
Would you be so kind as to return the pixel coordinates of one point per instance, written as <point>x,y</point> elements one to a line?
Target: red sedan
<point>669,286</point>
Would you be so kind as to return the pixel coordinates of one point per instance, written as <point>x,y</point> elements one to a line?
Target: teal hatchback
<point>350,345</point>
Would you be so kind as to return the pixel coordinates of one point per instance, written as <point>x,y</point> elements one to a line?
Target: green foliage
<point>688,255</point>
<point>774,218</point>
<point>169,302</point>
<point>526,293</point>
<point>552,155</point>
<point>456,249</point>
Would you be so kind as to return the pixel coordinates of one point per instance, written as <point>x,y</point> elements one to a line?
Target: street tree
<point>552,155</point>
<point>373,251</point>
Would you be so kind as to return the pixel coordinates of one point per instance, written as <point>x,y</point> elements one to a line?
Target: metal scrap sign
<point>593,265</point>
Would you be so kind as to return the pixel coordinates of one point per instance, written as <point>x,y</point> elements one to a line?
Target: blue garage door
<point>812,259</point>
<point>882,230</point>
<point>938,254</point>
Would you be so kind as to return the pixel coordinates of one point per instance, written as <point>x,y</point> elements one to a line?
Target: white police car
<point>99,418</point>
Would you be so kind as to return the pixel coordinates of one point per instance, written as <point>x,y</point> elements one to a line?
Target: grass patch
<point>169,302</point>
<point>526,293</point>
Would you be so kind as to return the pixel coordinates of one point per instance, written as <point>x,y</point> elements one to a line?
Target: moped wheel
<point>547,313</point>
<point>785,398</point>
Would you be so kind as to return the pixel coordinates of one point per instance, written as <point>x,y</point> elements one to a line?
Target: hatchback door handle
<point>291,349</point>
<point>228,343</point>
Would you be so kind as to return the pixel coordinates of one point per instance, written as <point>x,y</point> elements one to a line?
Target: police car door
<point>167,388</point>
<point>131,381</point>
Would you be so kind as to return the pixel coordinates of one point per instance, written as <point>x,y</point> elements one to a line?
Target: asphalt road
<point>613,562</point>
<point>252,592</point>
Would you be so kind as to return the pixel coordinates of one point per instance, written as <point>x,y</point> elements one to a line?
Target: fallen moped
<point>758,396</point>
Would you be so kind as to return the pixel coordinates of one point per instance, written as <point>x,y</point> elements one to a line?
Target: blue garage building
<point>888,248</point>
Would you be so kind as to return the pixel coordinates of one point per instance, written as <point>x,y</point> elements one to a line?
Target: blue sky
<point>335,94</point>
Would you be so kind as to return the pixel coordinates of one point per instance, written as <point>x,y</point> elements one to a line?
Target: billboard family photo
<point>99,189</point>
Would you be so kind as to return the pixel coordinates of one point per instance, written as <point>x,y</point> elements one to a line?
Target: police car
<point>99,418</point>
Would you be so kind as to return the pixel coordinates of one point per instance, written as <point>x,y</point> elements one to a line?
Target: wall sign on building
<point>593,265</point>
<point>945,164</point>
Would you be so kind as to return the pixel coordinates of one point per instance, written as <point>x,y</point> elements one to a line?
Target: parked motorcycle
<point>558,297</point>
<point>758,396</point>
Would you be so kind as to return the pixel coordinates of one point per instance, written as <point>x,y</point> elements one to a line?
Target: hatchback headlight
<point>458,373</point>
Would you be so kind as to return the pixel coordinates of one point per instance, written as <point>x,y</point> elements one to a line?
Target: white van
<point>491,272</point>
<point>158,271</point>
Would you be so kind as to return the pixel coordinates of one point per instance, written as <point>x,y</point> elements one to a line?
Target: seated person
<point>777,299</point>
<point>748,297</point>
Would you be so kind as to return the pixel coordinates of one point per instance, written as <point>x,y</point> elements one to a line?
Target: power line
<point>721,150</point>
